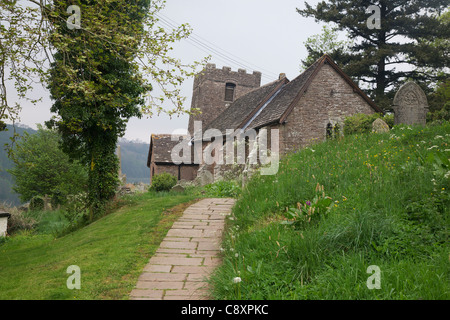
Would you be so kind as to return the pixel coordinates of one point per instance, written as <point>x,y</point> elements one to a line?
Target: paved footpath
<point>187,255</point>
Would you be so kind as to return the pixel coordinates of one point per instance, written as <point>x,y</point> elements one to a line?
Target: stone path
<point>187,255</point>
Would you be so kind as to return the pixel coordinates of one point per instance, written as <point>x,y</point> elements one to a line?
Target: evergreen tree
<point>377,53</point>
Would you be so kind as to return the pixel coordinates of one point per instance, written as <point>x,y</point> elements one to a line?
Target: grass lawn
<point>111,253</point>
<point>389,208</point>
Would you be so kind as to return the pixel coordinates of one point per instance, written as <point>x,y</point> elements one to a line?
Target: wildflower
<point>308,203</point>
<point>237,280</point>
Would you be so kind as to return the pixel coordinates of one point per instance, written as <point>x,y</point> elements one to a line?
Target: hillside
<point>6,180</point>
<point>389,211</point>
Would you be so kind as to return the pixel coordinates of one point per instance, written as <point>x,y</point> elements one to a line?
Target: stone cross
<point>410,105</point>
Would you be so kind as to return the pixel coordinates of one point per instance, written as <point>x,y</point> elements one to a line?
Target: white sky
<point>268,34</point>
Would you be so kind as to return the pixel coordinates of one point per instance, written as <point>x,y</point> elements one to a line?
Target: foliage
<point>375,55</point>
<point>325,43</point>
<point>163,182</point>
<point>390,208</point>
<point>37,203</point>
<point>222,189</point>
<point>309,211</point>
<point>19,222</point>
<point>21,56</point>
<point>362,123</point>
<point>41,168</point>
<point>6,179</point>
<point>440,103</point>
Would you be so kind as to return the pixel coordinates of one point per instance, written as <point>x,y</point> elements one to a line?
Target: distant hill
<point>6,180</point>
<point>134,163</point>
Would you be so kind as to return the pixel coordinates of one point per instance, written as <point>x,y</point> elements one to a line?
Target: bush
<point>227,189</point>
<point>440,115</point>
<point>362,123</point>
<point>18,222</point>
<point>163,182</point>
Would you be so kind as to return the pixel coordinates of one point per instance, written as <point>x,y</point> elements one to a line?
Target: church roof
<point>163,145</point>
<point>243,107</point>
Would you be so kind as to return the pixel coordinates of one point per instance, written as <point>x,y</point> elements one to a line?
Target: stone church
<point>303,110</point>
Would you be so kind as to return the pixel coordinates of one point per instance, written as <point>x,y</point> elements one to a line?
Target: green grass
<point>111,252</point>
<point>390,208</point>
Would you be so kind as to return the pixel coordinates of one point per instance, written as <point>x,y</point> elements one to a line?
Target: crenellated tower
<point>215,89</point>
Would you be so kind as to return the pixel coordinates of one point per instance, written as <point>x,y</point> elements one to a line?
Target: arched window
<point>229,91</point>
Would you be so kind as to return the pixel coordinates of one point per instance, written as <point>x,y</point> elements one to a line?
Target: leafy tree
<point>326,42</point>
<point>376,54</point>
<point>41,168</point>
<point>102,70</point>
<point>21,55</point>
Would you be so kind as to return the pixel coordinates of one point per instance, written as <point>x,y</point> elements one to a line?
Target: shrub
<point>440,115</point>
<point>362,123</point>
<point>18,222</point>
<point>227,189</point>
<point>163,182</point>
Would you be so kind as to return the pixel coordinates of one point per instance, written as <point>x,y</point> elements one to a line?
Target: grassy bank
<point>111,252</point>
<point>389,207</point>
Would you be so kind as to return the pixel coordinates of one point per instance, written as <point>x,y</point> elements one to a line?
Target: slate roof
<point>163,145</point>
<point>243,107</point>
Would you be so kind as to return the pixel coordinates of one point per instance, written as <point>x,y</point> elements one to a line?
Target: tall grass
<point>390,208</point>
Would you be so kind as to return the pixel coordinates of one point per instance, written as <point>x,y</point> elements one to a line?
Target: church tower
<point>215,90</point>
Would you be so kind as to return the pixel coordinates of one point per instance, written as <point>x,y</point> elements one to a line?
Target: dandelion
<point>237,279</point>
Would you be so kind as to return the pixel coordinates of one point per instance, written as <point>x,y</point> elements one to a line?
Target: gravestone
<point>380,126</point>
<point>410,105</point>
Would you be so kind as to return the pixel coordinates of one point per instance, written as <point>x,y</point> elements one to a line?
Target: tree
<point>103,65</point>
<point>377,54</point>
<point>22,46</point>
<point>41,168</point>
<point>325,43</point>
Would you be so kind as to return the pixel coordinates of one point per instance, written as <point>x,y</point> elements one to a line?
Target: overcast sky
<point>263,35</point>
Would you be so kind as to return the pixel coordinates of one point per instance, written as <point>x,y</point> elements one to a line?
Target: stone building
<point>160,160</point>
<point>304,110</point>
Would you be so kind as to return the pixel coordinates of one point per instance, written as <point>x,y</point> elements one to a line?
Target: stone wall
<point>187,172</point>
<point>329,99</point>
<point>209,91</point>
